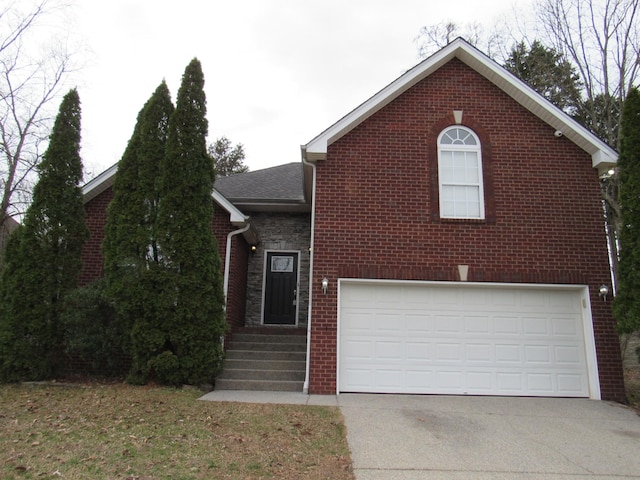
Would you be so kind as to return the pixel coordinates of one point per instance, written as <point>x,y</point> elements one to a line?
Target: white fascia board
<point>99,184</point>
<point>603,156</point>
<point>601,153</point>
<point>236,217</point>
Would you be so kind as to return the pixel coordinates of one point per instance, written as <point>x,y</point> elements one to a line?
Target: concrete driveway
<point>407,437</point>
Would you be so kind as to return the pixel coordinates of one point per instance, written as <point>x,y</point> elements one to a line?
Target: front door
<point>281,284</point>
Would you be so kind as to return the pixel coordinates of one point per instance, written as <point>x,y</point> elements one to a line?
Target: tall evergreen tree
<point>130,247</point>
<point>191,282</point>
<point>627,301</point>
<point>43,260</point>
<point>548,73</point>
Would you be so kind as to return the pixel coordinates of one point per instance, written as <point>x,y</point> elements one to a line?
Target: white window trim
<point>461,148</point>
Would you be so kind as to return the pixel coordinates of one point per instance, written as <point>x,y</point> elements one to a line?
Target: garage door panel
<point>359,322</point>
<point>475,297</point>
<point>539,383</point>
<point>387,323</point>
<point>358,350</point>
<point>568,355</point>
<point>504,299</point>
<point>447,323</point>
<point>506,326</point>
<point>390,351</point>
<point>419,352</point>
<point>537,354</point>
<point>485,341</point>
<point>449,352</point>
<point>419,324</point>
<point>511,383</point>
<point>535,326</point>
<point>361,379</point>
<point>479,353</point>
<point>390,378</point>
<point>564,326</point>
<point>481,382</point>
<point>477,325</point>
<point>444,299</point>
<point>419,380</point>
<point>571,383</point>
<point>508,353</point>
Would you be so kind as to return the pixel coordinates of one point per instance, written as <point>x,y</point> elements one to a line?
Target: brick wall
<point>96,218</point>
<point>377,209</point>
<point>238,266</point>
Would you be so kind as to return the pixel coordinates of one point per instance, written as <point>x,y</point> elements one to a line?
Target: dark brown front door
<point>281,281</point>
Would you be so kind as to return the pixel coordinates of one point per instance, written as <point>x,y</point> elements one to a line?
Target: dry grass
<point>632,386</point>
<point>124,432</point>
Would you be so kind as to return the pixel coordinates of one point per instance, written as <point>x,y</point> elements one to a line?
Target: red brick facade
<point>92,260</point>
<point>238,266</point>
<point>377,211</point>
<point>96,217</point>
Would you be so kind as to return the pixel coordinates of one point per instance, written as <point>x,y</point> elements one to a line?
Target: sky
<point>277,72</point>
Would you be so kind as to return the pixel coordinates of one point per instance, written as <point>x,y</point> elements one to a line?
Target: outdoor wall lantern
<point>603,291</point>
<point>325,285</point>
<point>253,249</point>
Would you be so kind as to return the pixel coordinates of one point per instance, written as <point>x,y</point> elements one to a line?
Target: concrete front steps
<point>265,360</point>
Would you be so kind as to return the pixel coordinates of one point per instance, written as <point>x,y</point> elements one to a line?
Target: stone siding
<point>278,232</point>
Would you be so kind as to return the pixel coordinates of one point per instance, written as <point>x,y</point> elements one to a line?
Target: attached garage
<point>465,339</point>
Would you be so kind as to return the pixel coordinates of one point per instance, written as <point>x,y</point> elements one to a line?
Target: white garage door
<point>475,339</point>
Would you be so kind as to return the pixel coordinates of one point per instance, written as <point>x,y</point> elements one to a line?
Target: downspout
<point>311,255</point>
<point>227,259</point>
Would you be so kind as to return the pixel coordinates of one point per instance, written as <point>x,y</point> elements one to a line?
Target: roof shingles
<point>283,183</point>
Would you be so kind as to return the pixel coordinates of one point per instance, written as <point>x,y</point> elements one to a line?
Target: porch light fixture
<point>325,285</point>
<point>603,291</point>
<point>253,249</point>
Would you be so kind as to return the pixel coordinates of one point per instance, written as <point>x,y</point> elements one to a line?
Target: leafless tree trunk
<point>433,37</point>
<point>33,67</point>
<point>602,39</point>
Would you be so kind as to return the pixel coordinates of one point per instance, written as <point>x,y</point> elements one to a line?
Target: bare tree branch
<point>31,78</point>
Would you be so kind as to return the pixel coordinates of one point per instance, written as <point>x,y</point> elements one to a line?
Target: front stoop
<point>264,361</point>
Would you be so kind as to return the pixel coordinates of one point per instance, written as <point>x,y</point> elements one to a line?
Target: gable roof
<point>603,157</point>
<point>105,180</point>
<point>277,188</point>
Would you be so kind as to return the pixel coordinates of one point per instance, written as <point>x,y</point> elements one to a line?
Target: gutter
<point>227,259</point>
<point>313,226</point>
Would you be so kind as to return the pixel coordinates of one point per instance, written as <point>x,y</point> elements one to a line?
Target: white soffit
<point>603,156</point>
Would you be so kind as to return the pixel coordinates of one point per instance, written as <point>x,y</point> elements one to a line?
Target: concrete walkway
<point>283,398</point>
<point>411,437</point>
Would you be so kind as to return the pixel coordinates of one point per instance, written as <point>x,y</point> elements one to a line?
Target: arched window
<point>460,174</point>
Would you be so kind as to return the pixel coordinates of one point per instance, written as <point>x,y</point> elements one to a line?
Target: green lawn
<point>83,431</point>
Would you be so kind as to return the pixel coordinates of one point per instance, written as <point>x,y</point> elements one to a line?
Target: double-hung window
<point>460,174</point>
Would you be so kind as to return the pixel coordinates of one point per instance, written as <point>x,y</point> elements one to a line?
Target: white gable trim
<point>236,217</point>
<point>603,156</point>
<point>105,180</point>
<point>99,184</point>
